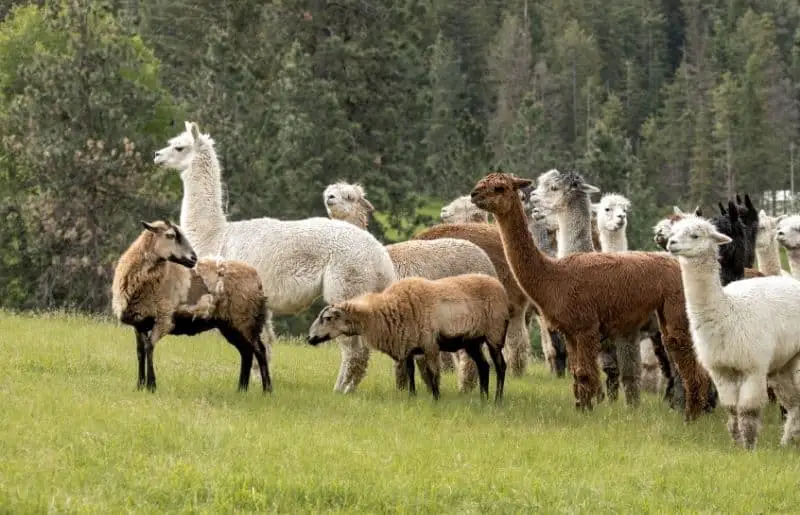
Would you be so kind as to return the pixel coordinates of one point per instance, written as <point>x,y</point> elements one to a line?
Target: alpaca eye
<point>608,210</point>
<point>694,236</point>
<point>499,189</point>
<point>179,149</point>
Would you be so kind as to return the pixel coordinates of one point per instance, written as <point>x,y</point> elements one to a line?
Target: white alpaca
<point>788,235</point>
<point>462,210</point>
<point>348,202</point>
<point>767,248</point>
<point>297,260</point>
<point>612,222</point>
<point>745,334</point>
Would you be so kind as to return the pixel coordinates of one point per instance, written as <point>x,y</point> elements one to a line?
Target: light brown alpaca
<point>588,296</point>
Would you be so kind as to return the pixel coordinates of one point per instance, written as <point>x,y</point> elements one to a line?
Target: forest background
<point>669,102</point>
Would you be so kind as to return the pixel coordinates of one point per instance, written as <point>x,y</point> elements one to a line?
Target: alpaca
<point>487,237</point>
<point>461,211</point>
<point>612,222</point>
<point>418,316</point>
<point>297,260</point>
<point>567,197</point>
<point>161,288</point>
<point>768,252</point>
<point>788,235</point>
<point>428,259</point>
<point>750,219</point>
<point>588,296</point>
<point>741,352</point>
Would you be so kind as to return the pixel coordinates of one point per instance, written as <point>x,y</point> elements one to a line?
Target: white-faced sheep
<point>461,211</point>
<point>587,296</point>
<point>417,316</point>
<point>161,288</point>
<point>741,352</point>
<point>297,260</point>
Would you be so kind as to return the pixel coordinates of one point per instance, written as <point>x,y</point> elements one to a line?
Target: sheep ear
<point>588,188</point>
<point>149,227</point>
<point>720,238</point>
<point>519,182</point>
<point>677,210</point>
<point>366,204</point>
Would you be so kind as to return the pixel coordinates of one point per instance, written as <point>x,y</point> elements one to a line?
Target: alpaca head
<point>165,240</point>
<point>663,229</point>
<point>331,322</point>
<point>347,202</point>
<point>612,212</point>
<point>181,150</point>
<point>695,237</point>
<point>498,192</point>
<point>789,231</point>
<point>558,191</point>
<point>767,231</point>
<point>462,210</point>
<point>747,211</point>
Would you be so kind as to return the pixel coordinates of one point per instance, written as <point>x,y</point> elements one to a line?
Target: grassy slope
<point>75,436</point>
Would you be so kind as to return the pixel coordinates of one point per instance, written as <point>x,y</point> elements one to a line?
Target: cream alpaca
<point>745,334</point>
<point>767,249</point>
<point>461,211</point>
<point>788,235</point>
<point>297,260</point>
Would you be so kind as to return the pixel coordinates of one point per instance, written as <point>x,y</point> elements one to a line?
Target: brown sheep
<point>588,296</point>
<point>161,288</point>
<point>487,237</point>
<point>417,316</point>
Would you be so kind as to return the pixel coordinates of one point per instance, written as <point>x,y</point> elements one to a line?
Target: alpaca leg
<point>728,388</point>
<point>355,358</point>
<point>473,349</point>
<point>629,360</point>
<point>787,393</point>
<point>263,364</point>
<point>583,349</point>
<point>561,354</point>
<point>678,344</point>
<point>547,344</point>
<point>608,363</point>
<point>467,372</point>
<point>752,398</point>
<point>500,369</point>
<point>517,347</point>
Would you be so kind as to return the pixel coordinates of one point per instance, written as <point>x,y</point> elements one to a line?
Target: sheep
<point>767,249</point>
<point>461,210</point>
<point>428,259</point>
<point>297,260</point>
<point>741,352</point>
<point>160,287</point>
<point>419,316</point>
<point>788,235</point>
<point>487,237</point>
<point>587,296</point>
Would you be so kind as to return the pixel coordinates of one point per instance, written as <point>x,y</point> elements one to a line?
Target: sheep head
<point>348,202</point>
<point>558,190</point>
<point>181,149</point>
<point>612,212</point>
<point>497,193</point>
<point>165,240</point>
<point>696,237</point>
<point>331,322</point>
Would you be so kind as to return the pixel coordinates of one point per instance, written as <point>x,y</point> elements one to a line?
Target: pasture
<point>77,437</point>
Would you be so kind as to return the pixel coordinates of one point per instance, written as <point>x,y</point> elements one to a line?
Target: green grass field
<point>76,436</point>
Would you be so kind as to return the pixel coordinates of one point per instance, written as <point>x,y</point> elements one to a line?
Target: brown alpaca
<point>588,296</point>
<point>487,237</point>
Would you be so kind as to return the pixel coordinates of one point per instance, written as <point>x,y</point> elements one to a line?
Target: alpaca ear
<point>519,182</point>
<point>366,204</point>
<point>748,203</point>
<point>720,238</point>
<point>677,210</point>
<point>149,227</point>
<point>733,212</point>
<point>588,188</point>
<point>738,199</point>
<point>195,132</point>
<point>698,211</point>
<point>780,218</point>
<point>722,209</point>
<point>762,213</point>
<point>188,126</point>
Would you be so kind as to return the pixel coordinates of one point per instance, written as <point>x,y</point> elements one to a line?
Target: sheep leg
<point>408,363</point>
<point>141,343</point>
<point>432,368</point>
<point>150,381</point>
<point>400,375</point>
<point>500,369</point>
<point>473,349</point>
<point>263,364</point>
<point>629,361</point>
<point>583,349</point>
<point>752,398</point>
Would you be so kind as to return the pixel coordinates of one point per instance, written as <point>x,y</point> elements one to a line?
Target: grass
<point>76,437</point>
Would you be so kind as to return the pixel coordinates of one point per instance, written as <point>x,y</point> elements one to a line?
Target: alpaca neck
<point>535,272</point>
<point>540,236</point>
<point>769,258</point>
<point>794,262</point>
<point>358,218</point>
<point>575,228</point>
<point>202,217</point>
<point>614,241</point>
<point>702,285</point>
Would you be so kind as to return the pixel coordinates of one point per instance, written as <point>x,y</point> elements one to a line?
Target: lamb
<point>766,248</point>
<point>461,210</point>
<point>428,259</point>
<point>418,316</point>
<point>588,296</point>
<point>741,352</point>
<point>161,288</point>
<point>487,237</point>
<point>297,260</point>
<point>788,235</point>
